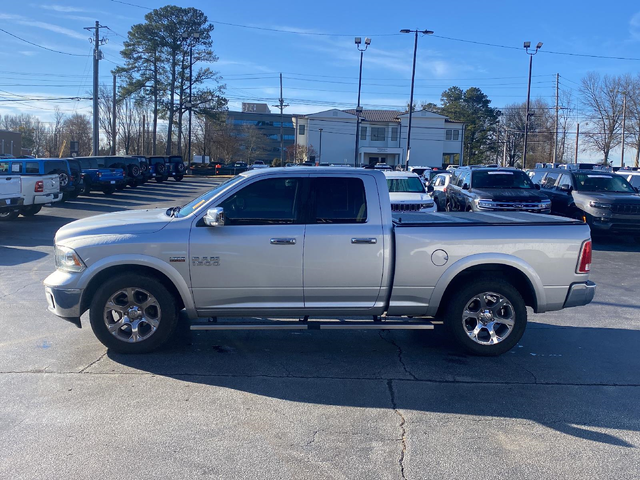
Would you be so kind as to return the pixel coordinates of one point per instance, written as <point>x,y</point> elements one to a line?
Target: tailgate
<point>111,173</point>
<point>10,186</point>
<point>51,184</point>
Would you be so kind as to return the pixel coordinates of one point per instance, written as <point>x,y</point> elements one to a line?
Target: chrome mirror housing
<point>214,217</point>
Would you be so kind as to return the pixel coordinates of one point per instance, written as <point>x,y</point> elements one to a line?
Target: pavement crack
<point>403,430</point>
<point>93,363</point>
<point>313,438</point>
<point>535,379</point>
<point>400,354</point>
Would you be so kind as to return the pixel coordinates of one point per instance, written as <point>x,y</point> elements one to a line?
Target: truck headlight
<point>68,260</point>
<point>599,205</point>
<point>485,204</point>
<point>427,205</point>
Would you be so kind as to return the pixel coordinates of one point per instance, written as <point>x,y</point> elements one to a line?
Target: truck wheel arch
<point>513,270</point>
<point>108,272</point>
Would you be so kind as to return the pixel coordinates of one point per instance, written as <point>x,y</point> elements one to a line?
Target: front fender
<point>487,259</point>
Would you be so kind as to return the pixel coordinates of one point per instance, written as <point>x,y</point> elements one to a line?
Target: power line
<point>43,47</point>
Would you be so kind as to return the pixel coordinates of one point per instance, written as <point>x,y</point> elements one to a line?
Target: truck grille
<point>408,207</point>
<point>517,206</point>
<point>626,208</point>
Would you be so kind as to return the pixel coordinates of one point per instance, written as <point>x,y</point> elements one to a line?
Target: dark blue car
<point>97,177</point>
<point>158,168</point>
<point>175,167</point>
<point>70,178</point>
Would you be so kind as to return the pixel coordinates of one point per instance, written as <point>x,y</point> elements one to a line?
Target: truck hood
<point>130,222</point>
<point>520,195</point>
<point>607,197</point>
<point>410,197</point>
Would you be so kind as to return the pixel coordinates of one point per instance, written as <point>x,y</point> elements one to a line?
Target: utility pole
<point>281,105</point>
<point>320,153</point>
<point>577,136</point>
<point>504,149</point>
<point>144,146</point>
<point>367,42</point>
<point>113,119</point>
<point>527,46</point>
<point>97,56</point>
<point>555,142</point>
<point>624,122</point>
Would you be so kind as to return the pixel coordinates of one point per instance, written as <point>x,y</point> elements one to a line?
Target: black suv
<point>175,167</point>
<point>606,201</point>
<point>144,167</point>
<point>158,168</point>
<point>132,170</point>
<point>485,189</point>
<point>75,181</point>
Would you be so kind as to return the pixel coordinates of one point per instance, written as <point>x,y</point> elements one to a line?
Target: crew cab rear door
<point>343,250</point>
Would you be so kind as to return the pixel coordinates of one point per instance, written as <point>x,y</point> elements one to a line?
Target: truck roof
<point>338,171</point>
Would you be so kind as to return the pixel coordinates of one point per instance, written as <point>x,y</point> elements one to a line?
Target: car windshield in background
<point>88,163</point>
<point>593,182</point>
<point>634,180</point>
<point>156,160</point>
<point>55,166</point>
<point>501,179</point>
<point>405,185</point>
<point>197,204</point>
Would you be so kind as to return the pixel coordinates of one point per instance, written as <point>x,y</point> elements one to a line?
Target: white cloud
<point>28,53</point>
<point>634,26</point>
<point>52,27</point>
<point>62,8</point>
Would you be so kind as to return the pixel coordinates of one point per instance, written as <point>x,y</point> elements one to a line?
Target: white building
<point>435,140</point>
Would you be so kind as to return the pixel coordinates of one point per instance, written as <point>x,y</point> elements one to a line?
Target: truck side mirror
<point>566,188</point>
<point>430,189</point>
<point>465,186</point>
<point>214,217</point>
<point>536,186</point>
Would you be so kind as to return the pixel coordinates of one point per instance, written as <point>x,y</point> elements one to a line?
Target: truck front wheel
<point>487,317</point>
<point>131,313</point>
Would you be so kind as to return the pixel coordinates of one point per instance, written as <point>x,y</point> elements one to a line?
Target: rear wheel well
<point>511,274</point>
<point>110,272</point>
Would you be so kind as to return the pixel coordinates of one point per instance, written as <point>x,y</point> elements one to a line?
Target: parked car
<point>258,164</point>
<point>95,178</point>
<point>10,196</point>
<point>407,193</point>
<point>75,180</point>
<point>633,177</point>
<point>130,166</point>
<point>145,168</point>
<point>175,167</point>
<point>318,242</point>
<point>382,166</point>
<point>604,200</point>
<point>537,174</point>
<point>68,184</point>
<point>440,183</point>
<point>36,190</point>
<point>498,189</point>
<point>158,168</point>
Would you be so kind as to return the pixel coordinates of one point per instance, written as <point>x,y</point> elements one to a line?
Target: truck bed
<point>465,219</point>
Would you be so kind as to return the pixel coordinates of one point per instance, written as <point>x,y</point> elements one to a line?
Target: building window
<point>363,133</point>
<point>456,135</point>
<point>289,137</point>
<point>448,135</point>
<point>377,134</point>
<point>301,129</point>
<point>394,134</point>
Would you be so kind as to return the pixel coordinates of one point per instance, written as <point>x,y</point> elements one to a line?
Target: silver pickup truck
<point>296,243</point>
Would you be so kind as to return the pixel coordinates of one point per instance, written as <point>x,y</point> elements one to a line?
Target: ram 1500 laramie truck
<point>298,243</point>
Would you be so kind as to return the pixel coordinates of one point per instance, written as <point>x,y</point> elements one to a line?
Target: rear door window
<point>55,166</point>
<point>565,179</point>
<point>549,180</point>
<point>339,200</point>
<point>32,167</point>
<point>4,167</point>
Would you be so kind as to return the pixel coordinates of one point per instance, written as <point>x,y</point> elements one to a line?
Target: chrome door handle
<point>283,241</point>
<point>360,241</point>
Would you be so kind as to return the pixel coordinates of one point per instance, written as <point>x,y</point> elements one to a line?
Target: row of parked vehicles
<point>27,184</point>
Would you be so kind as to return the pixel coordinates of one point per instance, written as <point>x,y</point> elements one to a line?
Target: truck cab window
<point>339,200</point>
<point>265,202</point>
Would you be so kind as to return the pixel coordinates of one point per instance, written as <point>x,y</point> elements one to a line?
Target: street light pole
<point>195,36</point>
<point>320,153</point>
<point>624,125</point>
<point>367,42</point>
<point>413,77</point>
<point>527,46</point>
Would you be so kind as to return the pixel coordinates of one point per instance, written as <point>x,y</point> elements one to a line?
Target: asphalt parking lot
<point>312,404</point>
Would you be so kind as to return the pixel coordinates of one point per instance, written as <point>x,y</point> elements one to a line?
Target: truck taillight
<point>99,174</point>
<point>584,262</point>
<point>39,188</point>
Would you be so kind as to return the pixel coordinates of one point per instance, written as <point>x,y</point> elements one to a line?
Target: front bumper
<point>65,303</point>
<point>580,294</point>
<point>614,224</point>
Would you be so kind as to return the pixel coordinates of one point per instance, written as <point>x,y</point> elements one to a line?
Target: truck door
<point>343,250</point>
<point>254,260</point>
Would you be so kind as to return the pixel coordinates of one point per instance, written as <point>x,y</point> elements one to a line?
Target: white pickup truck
<point>299,243</point>
<point>36,191</point>
<point>10,195</point>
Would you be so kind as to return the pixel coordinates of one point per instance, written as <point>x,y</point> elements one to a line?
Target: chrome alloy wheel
<point>488,318</point>
<point>132,314</point>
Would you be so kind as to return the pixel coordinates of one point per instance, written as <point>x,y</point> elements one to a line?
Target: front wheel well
<point>511,274</point>
<point>110,272</point>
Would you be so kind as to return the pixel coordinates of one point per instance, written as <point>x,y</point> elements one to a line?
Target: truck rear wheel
<point>487,317</point>
<point>132,313</point>
<point>30,210</point>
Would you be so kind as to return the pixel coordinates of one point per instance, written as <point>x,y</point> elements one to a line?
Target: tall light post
<point>624,125</point>
<point>367,42</point>
<point>527,46</point>
<point>186,36</point>
<point>413,77</point>
<point>320,153</point>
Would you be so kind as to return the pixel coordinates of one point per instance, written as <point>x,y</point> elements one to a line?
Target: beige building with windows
<point>435,140</point>
<point>10,143</point>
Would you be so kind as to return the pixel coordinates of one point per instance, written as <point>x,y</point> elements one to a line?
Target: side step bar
<point>314,326</point>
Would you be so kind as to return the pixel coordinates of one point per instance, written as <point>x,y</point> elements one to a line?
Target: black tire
<point>178,178</point>
<point>86,188</point>
<point>447,206</point>
<point>168,313</point>
<point>460,327</point>
<point>160,169</point>
<point>159,179</point>
<point>120,187</point>
<point>74,194</point>
<point>9,215</point>
<point>180,167</point>
<point>109,190</point>
<point>469,209</point>
<point>30,210</point>
<point>134,170</point>
<point>133,183</point>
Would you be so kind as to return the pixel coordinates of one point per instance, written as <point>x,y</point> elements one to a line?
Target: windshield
<point>156,160</point>
<point>501,179</point>
<point>88,163</point>
<point>634,180</point>
<point>405,185</point>
<point>202,200</point>
<point>593,182</point>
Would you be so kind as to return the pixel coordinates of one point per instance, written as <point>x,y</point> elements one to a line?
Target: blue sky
<point>321,71</point>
